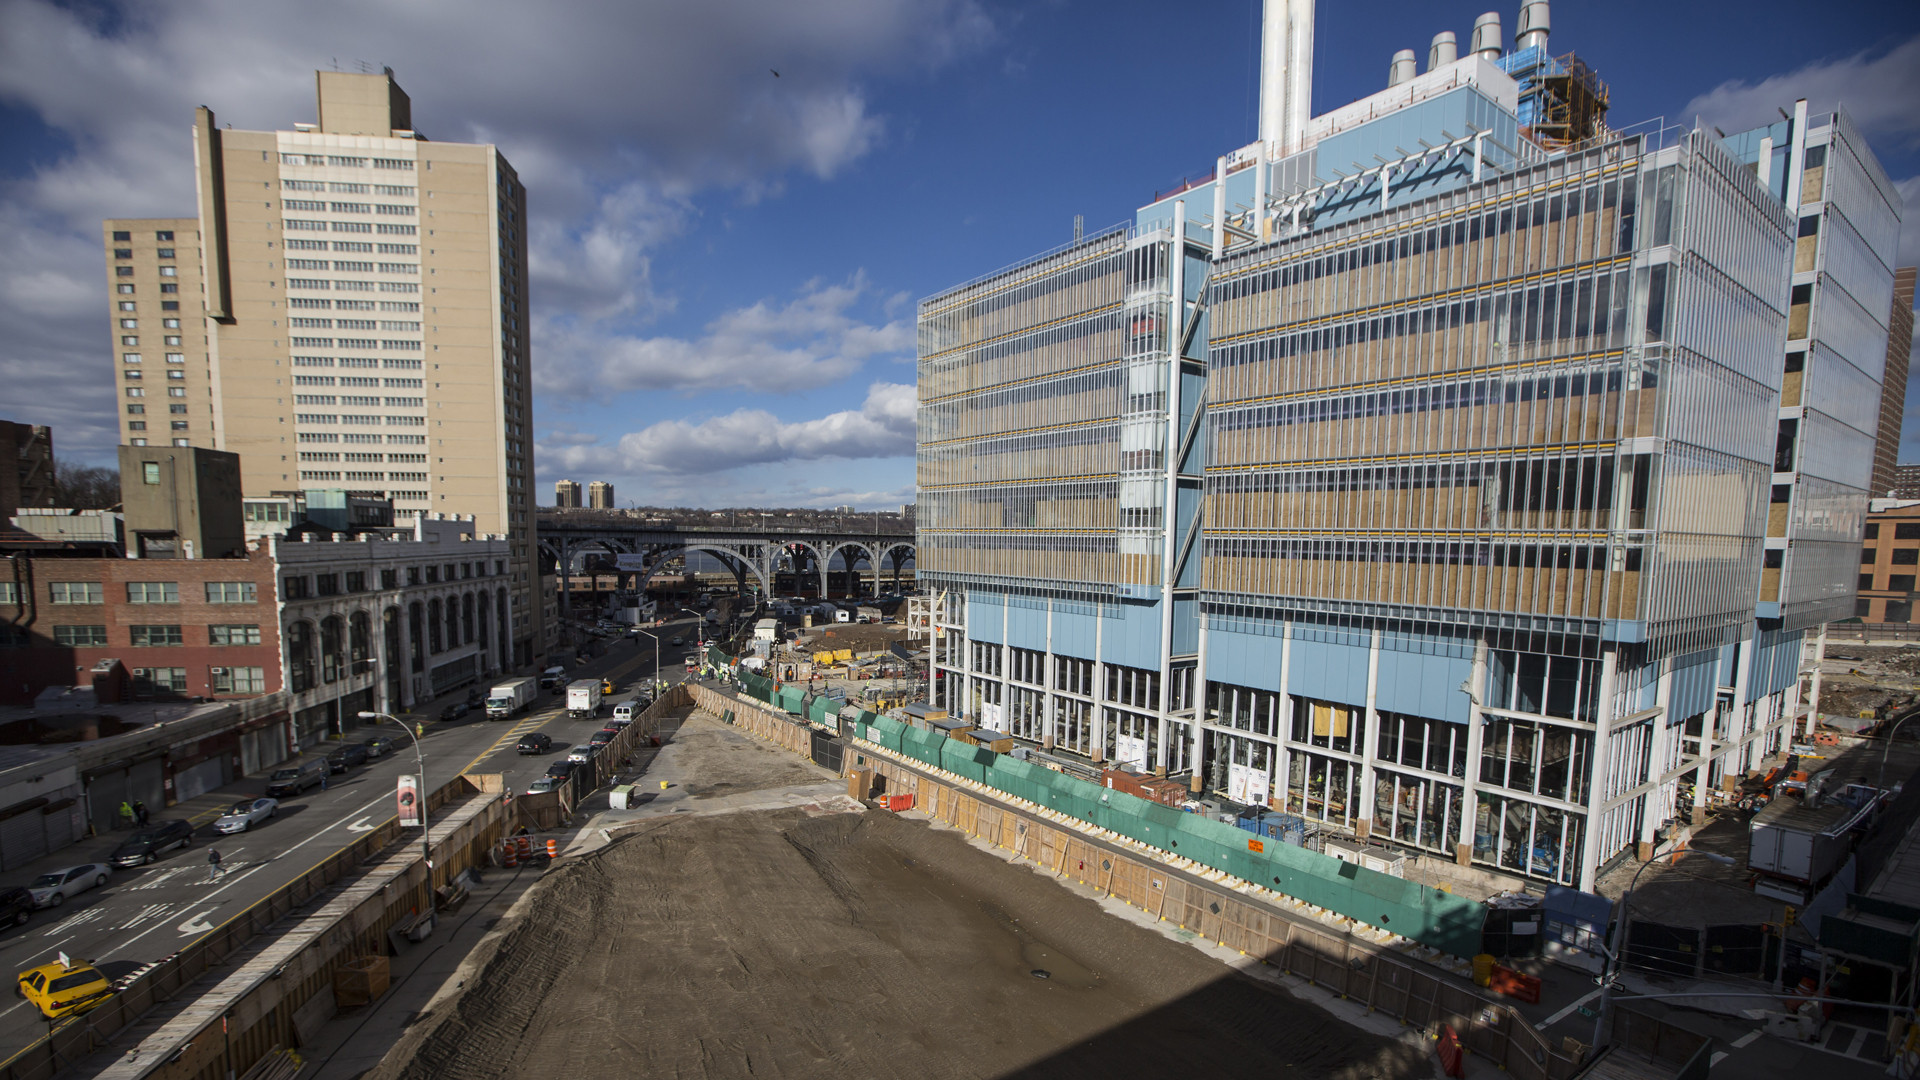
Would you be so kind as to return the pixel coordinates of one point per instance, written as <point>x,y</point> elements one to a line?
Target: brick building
<point>1889,562</point>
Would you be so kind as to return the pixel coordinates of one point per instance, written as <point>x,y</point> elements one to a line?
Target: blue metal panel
<point>1423,682</point>
<point>1073,629</point>
<point>1328,668</point>
<point>983,616</point>
<point>1243,659</point>
<point>1729,665</point>
<point>1131,634</point>
<point>1027,623</point>
<point>1776,662</point>
<point>1693,684</point>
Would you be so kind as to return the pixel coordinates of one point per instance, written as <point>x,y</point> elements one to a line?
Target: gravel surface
<point>802,943</point>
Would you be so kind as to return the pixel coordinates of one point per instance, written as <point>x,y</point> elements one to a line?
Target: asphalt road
<point>146,914</point>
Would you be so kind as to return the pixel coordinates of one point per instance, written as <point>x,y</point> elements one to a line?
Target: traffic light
<point>1791,913</point>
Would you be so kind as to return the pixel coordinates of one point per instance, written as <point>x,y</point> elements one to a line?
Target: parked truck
<point>583,699</point>
<point>511,696</point>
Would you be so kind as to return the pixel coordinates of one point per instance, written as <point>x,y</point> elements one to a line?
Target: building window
<point>121,236</point>
<point>153,592</point>
<point>155,636</point>
<point>300,657</point>
<point>231,592</point>
<point>165,253</point>
<point>1865,582</point>
<point>124,288</point>
<point>1906,530</point>
<point>137,391</point>
<point>330,645</point>
<point>176,391</point>
<point>389,579</point>
<point>123,271</point>
<point>127,305</point>
<point>79,635</point>
<point>136,425</point>
<point>153,682</point>
<point>136,410</point>
<point>237,680</point>
<point>150,472</point>
<point>136,442</point>
<point>130,339</point>
<point>359,642</point>
<point>242,634</point>
<point>1873,531</point>
<point>8,593</point>
<point>1900,583</point>
<point>297,587</point>
<point>1906,556</point>
<point>356,581</point>
<point>74,592</point>
<point>1868,555</point>
<point>164,236</point>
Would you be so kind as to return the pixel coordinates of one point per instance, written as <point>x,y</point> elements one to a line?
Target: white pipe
<point>1764,167</point>
<point>1219,207</point>
<point>1299,74</point>
<point>1797,155</point>
<point>1286,72</point>
<point>1260,194</point>
<point>1273,70</point>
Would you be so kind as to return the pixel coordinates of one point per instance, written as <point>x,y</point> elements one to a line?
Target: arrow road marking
<point>357,826</point>
<point>198,924</point>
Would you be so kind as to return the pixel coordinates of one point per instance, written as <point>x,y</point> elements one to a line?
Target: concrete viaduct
<point>752,552</point>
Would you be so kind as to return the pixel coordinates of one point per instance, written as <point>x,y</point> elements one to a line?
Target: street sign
<point>411,806</point>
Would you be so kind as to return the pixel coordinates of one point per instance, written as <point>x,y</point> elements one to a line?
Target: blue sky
<point>726,261</point>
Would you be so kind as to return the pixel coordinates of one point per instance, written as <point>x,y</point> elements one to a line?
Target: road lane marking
<point>74,920</point>
<point>1746,1040</point>
<point>197,924</point>
<point>151,911</point>
<point>158,878</point>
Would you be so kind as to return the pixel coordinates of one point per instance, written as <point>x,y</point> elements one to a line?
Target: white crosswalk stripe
<point>158,878</point>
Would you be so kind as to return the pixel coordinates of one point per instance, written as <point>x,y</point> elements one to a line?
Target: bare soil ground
<point>798,944</point>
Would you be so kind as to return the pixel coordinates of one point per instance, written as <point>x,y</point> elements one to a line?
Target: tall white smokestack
<point>1534,24</point>
<point>1487,39</point>
<point>1286,73</point>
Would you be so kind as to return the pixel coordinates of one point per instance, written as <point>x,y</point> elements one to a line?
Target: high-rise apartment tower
<point>347,310</point>
<point>600,495</point>
<point>566,494</point>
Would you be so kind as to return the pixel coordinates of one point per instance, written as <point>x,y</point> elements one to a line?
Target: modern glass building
<point>1478,500</point>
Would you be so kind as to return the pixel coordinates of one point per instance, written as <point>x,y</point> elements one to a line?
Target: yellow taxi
<point>63,988</point>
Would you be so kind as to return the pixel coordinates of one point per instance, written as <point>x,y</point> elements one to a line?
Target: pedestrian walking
<point>419,729</point>
<point>140,813</point>
<point>323,777</point>
<point>126,814</point>
<point>214,869</point>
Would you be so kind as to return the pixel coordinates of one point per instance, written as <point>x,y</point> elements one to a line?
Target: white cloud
<point>1878,91</point>
<point>882,427</point>
<point>618,116</point>
<point>806,342</point>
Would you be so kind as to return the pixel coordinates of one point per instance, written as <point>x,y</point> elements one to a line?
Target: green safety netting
<point>824,711</point>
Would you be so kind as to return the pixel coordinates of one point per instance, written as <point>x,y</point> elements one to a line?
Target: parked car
<point>380,746</point>
<point>535,742</point>
<point>580,755</point>
<point>247,813</point>
<point>455,711</point>
<point>677,640</point>
<point>63,988</point>
<point>476,697</point>
<point>56,887</point>
<point>561,770</point>
<point>603,737</point>
<point>297,778</point>
<point>149,843</point>
<point>543,785</point>
<point>346,757</point>
<point>16,905</point>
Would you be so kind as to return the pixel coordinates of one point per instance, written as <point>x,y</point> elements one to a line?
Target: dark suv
<point>148,844</point>
<point>16,906</point>
<point>346,757</point>
<point>535,742</point>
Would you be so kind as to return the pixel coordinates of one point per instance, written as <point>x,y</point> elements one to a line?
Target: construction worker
<point>126,814</point>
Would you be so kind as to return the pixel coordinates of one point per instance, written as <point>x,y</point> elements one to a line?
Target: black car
<point>455,711</point>
<point>16,906</point>
<point>148,844</point>
<point>380,745</point>
<point>535,742</point>
<point>602,737</point>
<point>346,757</point>
<point>560,770</point>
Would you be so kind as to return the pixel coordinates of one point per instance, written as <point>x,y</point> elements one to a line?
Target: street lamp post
<point>656,657</point>
<point>1881,782</point>
<point>420,763</point>
<point>1616,952</point>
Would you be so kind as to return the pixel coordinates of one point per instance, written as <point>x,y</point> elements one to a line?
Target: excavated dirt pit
<point>793,944</point>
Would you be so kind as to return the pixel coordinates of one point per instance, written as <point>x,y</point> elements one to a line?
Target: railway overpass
<point>752,546</point>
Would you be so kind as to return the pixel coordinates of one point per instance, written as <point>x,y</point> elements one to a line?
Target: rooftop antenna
<point>1079,226</point>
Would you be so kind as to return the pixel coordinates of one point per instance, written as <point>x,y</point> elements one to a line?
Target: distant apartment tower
<point>1893,399</point>
<point>566,494</point>
<point>355,318</point>
<point>600,495</point>
<point>26,467</point>
<point>166,384</point>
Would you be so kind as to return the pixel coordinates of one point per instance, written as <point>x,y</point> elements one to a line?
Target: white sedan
<point>245,814</point>
<point>53,888</point>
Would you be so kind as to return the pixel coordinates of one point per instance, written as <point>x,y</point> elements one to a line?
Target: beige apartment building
<point>600,495</point>
<point>566,494</point>
<point>356,299</point>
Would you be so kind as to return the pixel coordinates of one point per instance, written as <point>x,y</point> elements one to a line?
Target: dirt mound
<point>854,945</point>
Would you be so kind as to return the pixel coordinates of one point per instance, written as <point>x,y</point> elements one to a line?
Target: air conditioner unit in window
<point>216,671</point>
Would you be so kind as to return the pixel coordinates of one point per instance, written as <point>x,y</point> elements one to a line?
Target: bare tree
<point>86,487</point>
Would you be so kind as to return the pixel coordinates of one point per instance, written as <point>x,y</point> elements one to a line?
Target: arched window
<point>330,641</point>
<point>453,622</point>
<point>433,626</point>
<point>482,626</point>
<point>416,635</point>
<point>390,630</point>
<point>359,642</point>
<point>502,642</point>
<point>300,657</point>
<point>466,619</point>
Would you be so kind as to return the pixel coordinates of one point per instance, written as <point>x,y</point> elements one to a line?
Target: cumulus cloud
<point>812,339</point>
<point>882,427</point>
<point>1878,89</point>
<point>618,116</point>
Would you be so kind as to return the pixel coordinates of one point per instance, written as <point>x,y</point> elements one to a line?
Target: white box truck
<point>511,696</point>
<point>583,699</point>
